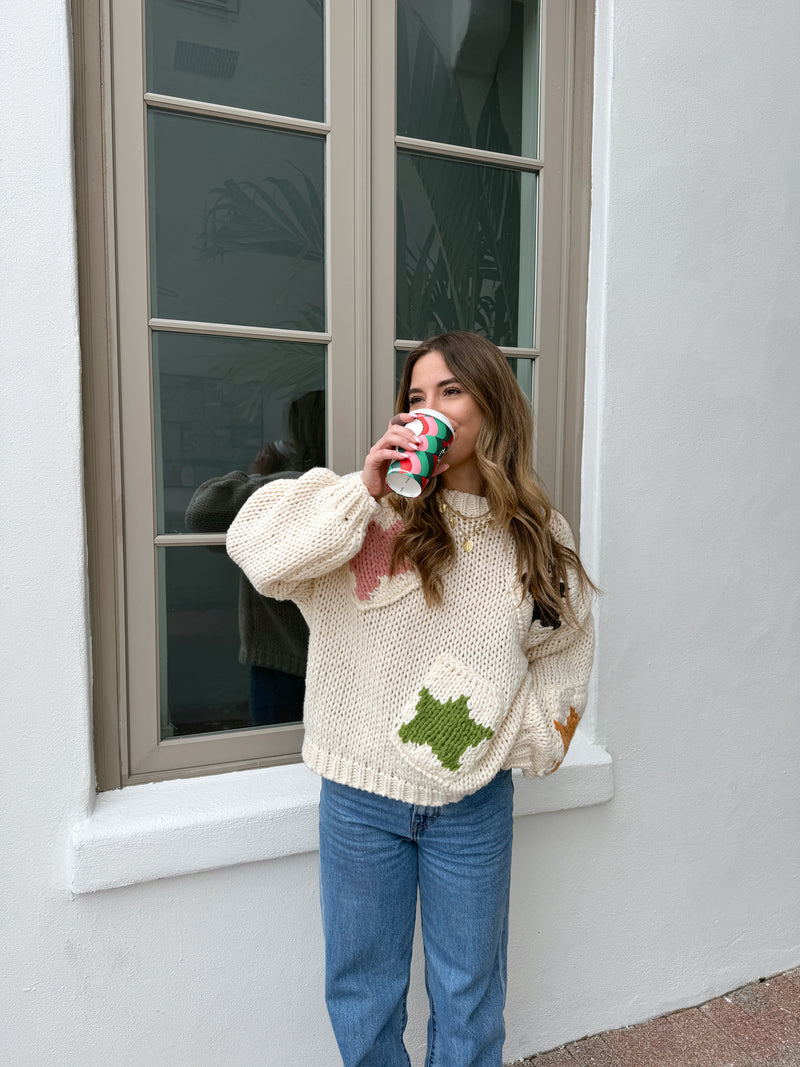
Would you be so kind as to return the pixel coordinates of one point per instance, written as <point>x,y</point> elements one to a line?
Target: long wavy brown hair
<point>517,502</point>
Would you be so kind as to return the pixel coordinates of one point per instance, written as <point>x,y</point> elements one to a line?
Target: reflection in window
<point>229,659</point>
<point>259,56</point>
<point>458,249</point>
<point>232,415</point>
<point>227,404</point>
<point>237,231</point>
<point>468,73</point>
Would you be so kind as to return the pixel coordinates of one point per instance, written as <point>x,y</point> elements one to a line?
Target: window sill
<point>163,829</point>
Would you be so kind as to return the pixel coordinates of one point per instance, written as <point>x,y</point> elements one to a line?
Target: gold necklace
<point>468,543</point>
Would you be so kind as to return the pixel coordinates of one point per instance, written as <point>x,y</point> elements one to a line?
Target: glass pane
<point>523,371</point>
<point>236,223</point>
<point>460,262</point>
<point>468,74</point>
<point>228,658</point>
<point>260,56</point>
<point>230,413</point>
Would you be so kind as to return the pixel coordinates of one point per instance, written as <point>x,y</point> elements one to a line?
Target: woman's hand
<point>386,450</point>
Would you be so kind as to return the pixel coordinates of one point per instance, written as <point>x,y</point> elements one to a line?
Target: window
<point>276,202</point>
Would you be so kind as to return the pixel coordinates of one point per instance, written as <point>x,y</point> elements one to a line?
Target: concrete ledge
<point>586,777</point>
<point>164,829</point>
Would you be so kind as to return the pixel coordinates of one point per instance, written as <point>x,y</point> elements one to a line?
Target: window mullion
<point>552,237</point>
<point>225,329</point>
<point>103,490</point>
<point>138,461</point>
<point>237,114</point>
<point>384,192</point>
<point>348,237</point>
<point>472,155</point>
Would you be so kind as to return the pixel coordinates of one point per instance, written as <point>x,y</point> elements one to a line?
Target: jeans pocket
<point>447,725</point>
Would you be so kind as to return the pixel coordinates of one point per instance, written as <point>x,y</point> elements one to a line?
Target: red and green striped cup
<point>409,476</point>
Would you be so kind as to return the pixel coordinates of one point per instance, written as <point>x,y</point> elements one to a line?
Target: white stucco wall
<point>685,884</point>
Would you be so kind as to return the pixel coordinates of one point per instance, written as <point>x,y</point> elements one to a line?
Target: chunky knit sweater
<point>423,705</point>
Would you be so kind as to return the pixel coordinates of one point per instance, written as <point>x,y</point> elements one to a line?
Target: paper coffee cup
<point>409,476</point>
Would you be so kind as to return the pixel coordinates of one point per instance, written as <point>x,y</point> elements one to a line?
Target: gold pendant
<point>468,546</point>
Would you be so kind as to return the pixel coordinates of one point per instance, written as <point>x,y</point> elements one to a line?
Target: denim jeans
<point>275,696</point>
<point>374,855</point>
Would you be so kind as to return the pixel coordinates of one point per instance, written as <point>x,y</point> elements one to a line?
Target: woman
<point>451,640</point>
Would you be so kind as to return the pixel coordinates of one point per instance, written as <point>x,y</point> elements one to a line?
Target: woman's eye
<point>452,390</point>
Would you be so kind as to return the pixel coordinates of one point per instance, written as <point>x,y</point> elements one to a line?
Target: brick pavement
<point>755,1026</point>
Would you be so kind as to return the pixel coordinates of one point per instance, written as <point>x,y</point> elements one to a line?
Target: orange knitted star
<point>566,729</point>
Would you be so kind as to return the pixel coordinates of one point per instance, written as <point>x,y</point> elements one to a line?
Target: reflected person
<point>273,633</point>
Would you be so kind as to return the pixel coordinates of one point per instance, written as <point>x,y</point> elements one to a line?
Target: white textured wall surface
<point>685,884</point>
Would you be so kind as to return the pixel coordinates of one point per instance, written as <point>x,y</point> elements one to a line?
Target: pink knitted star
<point>373,561</point>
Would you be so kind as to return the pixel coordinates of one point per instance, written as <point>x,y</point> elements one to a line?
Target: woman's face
<point>433,385</point>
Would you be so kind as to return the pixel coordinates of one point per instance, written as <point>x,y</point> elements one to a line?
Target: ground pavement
<point>755,1026</point>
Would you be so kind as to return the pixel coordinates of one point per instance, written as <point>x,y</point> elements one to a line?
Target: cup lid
<point>435,414</point>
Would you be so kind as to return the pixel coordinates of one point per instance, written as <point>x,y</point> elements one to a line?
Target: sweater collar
<point>468,504</point>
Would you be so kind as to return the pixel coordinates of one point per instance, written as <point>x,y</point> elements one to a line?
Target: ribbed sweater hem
<point>347,771</point>
<point>252,657</point>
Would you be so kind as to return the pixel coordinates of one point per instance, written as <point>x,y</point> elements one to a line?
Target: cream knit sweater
<point>424,705</point>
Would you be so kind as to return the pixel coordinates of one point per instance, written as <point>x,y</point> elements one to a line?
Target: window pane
<point>236,223</point>
<point>524,370</point>
<point>228,658</point>
<point>235,411</point>
<point>460,262</point>
<point>468,74</point>
<point>260,56</point>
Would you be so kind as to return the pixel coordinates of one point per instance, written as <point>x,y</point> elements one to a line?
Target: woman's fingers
<point>400,437</point>
<point>401,418</point>
<point>397,440</point>
<point>387,455</point>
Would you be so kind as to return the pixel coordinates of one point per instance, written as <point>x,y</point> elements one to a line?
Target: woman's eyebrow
<point>447,381</point>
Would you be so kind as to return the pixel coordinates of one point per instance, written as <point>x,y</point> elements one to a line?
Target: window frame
<point>359,182</point>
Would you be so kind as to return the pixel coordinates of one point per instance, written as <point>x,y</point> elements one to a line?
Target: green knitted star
<point>447,728</point>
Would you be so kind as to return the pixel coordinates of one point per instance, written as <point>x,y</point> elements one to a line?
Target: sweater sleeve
<point>558,676</point>
<point>216,503</point>
<point>291,532</point>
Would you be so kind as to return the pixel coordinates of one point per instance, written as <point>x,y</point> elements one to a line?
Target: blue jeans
<point>374,855</point>
<point>275,696</point>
